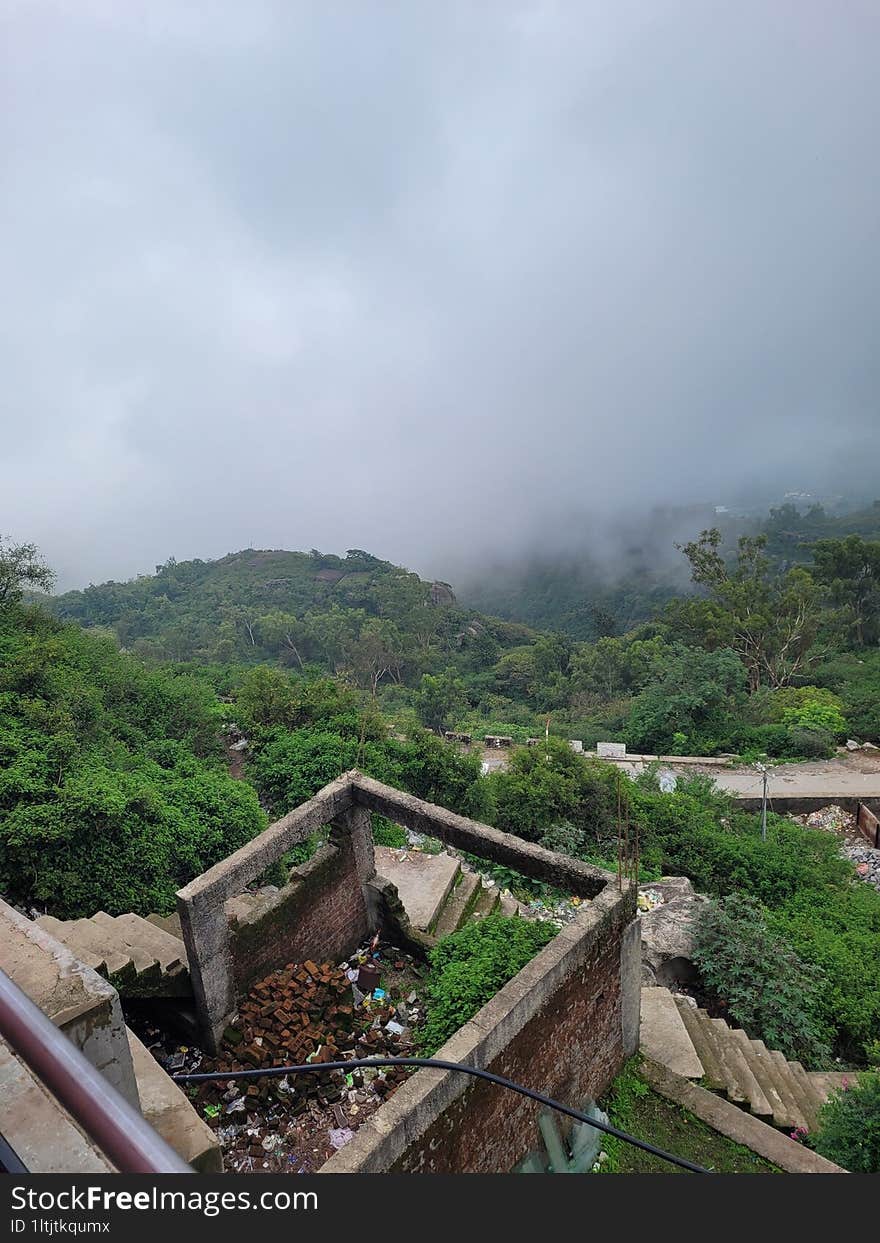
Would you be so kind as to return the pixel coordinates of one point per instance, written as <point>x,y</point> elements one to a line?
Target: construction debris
<point>308,1012</point>
<point>834,819</point>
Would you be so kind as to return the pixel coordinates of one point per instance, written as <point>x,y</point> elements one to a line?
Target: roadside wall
<point>869,824</point>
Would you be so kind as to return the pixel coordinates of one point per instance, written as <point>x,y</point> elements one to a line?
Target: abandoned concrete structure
<point>564,1025</point>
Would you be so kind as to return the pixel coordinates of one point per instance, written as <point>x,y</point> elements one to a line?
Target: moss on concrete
<point>634,1107</point>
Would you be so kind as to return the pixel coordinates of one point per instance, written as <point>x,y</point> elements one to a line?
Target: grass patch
<point>634,1107</point>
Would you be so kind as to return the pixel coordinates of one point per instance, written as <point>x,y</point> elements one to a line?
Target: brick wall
<point>320,914</point>
<point>571,1050</point>
<point>558,1027</point>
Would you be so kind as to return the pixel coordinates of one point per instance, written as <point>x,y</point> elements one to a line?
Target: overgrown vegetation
<point>849,1126</point>
<point>468,967</point>
<point>766,988</point>
<point>633,1107</point>
<point>113,791</point>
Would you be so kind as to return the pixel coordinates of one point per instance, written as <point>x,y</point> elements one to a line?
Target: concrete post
<point>206,937</point>
<point>630,986</point>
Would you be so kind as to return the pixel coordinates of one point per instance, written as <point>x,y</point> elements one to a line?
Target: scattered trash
<point>341,1136</point>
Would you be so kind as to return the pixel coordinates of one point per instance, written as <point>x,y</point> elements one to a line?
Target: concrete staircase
<point>678,1035</point>
<point>142,957</point>
<point>438,896</point>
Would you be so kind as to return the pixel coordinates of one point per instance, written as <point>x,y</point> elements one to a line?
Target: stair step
<point>704,1042</point>
<point>145,963</point>
<point>57,928</point>
<point>135,931</point>
<point>423,881</point>
<point>803,1099</point>
<point>82,934</point>
<point>168,923</point>
<point>49,922</point>
<point>757,1064</point>
<point>509,905</point>
<point>811,1096</point>
<point>791,1114</point>
<point>487,902</point>
<point>732,1065</point>
<point>664,1037</point>
<point>458,904</point>
<point>758,1103</point>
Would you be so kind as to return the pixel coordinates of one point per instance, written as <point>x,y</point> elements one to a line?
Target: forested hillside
<point>762,654</point>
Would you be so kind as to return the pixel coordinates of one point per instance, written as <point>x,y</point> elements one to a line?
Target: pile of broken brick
<point>310,1012</point>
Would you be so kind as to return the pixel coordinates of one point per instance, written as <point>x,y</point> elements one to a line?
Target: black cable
<point>274,1072</point>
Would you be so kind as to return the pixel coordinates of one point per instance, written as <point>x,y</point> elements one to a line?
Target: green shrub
<point>386,833</point>
<point>849,1126</point>
<point>768,990</point>
<point>469,966</point>
<point>810,742</point>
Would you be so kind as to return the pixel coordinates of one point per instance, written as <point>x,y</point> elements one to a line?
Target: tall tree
<point>850,569</point>
<point>768,619</point>
<point>21,566</point>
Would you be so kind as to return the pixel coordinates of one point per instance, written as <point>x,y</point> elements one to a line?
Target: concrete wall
<point>802,805</point>
<point>77,1000</point>
<point>563,1026</point>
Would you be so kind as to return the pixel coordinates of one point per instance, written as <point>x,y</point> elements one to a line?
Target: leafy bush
<point>469,966</point>
<point>768,990</point>
<point>849,1126</point>
<point>110,796</point>
<point>810,742</point>
<point>386,833</point>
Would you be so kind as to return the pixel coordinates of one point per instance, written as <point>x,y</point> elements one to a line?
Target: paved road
<point>856,776</point>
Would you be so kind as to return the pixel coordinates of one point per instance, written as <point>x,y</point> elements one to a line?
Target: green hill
<point>355,614</point>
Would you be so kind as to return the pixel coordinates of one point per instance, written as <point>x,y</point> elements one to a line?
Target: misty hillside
<point>791,533</point>
<point>302,609</point>
<point>627,575</point>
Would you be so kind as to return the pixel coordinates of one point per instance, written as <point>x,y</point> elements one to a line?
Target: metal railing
<point>110,1122</point>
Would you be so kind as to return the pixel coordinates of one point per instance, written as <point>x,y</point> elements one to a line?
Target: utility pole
<point>763,772</point>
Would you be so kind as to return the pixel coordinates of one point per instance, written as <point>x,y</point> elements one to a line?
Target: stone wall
<point>563,1026</point>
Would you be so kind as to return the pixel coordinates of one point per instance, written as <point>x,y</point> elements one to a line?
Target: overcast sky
<point>423,277</point>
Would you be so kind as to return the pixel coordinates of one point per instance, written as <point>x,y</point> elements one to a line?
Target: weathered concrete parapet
<point>580,879</point>
<point>200,904</point>
<point>77,1000</point>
